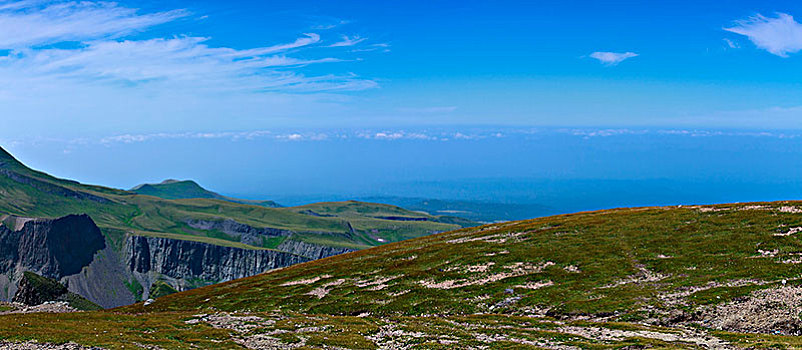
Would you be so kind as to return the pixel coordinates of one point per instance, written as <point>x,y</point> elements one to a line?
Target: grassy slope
<point>622,263</point>
<point>125,211</point>
<point>591,259</point>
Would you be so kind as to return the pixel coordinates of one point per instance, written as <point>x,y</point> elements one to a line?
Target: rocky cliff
<point>310,250</point>
<point>73,250</point>
<point>62,249</point>
<point>51,248</point>
<point>185,261</point>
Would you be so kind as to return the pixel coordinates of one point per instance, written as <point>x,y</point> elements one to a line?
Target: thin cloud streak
<point>348,41</point>
<point>612,58</point>
<point>183,59</point>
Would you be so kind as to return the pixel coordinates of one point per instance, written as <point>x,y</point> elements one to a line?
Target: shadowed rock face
<point>188,259</point>
<point>51,248</point>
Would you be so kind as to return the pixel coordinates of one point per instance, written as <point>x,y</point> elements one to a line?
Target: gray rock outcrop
<point>311,250</point>
<point>188,259</point>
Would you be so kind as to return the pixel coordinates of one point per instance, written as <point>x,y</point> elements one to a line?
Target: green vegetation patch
<point>160,289</point>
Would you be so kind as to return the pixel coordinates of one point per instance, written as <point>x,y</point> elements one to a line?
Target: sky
<point>398,93</point>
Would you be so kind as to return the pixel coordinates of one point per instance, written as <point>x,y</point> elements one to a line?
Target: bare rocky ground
<point>770,311</point>
<point>50,307</point>
<point>41,346</point>
<point>271,332</point>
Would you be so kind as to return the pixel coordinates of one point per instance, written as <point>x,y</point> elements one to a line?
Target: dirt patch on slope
<point>774,311</point>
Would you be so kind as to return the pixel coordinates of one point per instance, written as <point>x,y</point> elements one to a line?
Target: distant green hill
<point>187,189</point>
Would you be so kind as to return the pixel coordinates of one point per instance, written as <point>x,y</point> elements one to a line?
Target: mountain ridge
<point>199,230</point>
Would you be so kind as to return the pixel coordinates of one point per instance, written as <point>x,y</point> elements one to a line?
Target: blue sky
<point>204,66</point>
<point>83,81</point>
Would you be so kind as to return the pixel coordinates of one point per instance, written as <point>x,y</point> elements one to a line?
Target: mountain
<point>131,242</point>
<point>688,277</point>
<point>187,189</point>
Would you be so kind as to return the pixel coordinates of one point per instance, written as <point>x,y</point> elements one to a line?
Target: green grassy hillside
<point>187,189</point>
<point>626,262</point>
<point>725,276</point>
<point>28,193</point>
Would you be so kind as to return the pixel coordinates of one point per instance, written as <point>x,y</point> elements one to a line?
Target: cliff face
<point>51,248</point>
<point>310,250</point>
<point>73,251</point>
<point>194,260</point>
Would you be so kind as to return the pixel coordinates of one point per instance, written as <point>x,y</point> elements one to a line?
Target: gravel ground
<point>44,346</point>
<point>773,311</point>
<point>50,306</point>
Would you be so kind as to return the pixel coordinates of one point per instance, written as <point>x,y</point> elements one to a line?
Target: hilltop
<point>723,276</point>
<point>188,189</point>
<point>186,242</point>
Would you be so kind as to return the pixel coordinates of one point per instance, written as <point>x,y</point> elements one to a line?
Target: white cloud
<point>71,49</point>
<point>31,23</point>
<point>180,60</point>
<point>134,138</point>
<point>309,39</point>
<point>230,135</point>
<point>388,135</point>
<point>383,47</point>
<point>605,132</point>
<point>612,58</point>
<point>397,135</point>
<point>78,67</point>
<point>779,36</point>
<point>348,41</point>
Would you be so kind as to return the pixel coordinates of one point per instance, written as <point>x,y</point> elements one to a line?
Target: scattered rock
<point>305,281</point>
<point>792,231</point>
<point>32,345</point>
<point>770,311</point>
